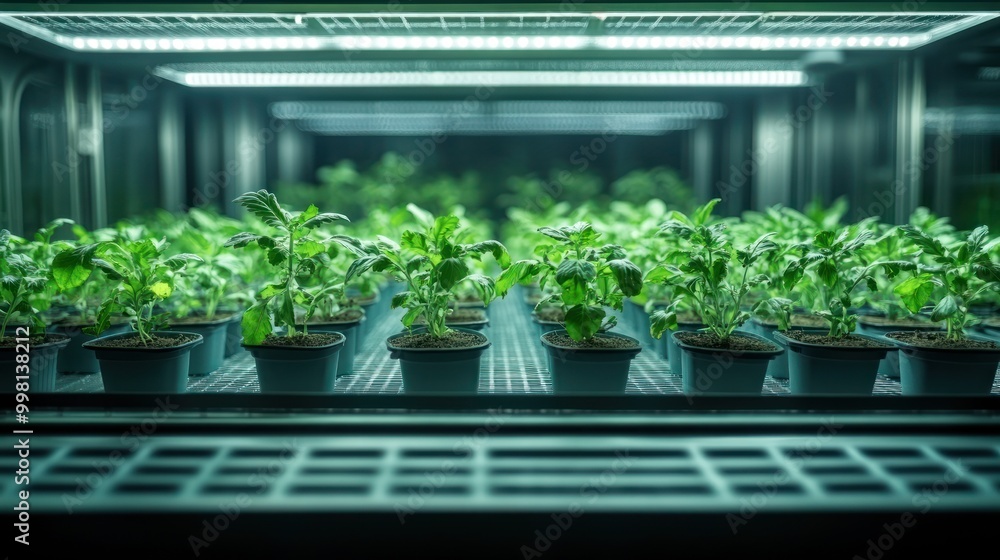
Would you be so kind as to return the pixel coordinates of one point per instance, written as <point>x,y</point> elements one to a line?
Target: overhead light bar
<point>490,31</point>
<point>475,79</point>
<point>301,110</point>
<point>474,125</point>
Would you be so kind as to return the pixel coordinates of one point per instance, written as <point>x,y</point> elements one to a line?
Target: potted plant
<point>948,362</point>
<point>297,361</point>
<point>200,291</point>
<point>329,308</point>
<point>434,358</point>
<point>69,311</point>
<point>886,312</point>
<point>716,359</point>
<point>151,359</point>
<point>591,277</point>
<point>839,361</point>
<point>26,350</point>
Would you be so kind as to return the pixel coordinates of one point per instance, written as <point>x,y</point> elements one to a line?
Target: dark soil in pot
<point>931,364</point>
<point>298,364</point>
<point>208,356</point>
<point>348,323</point>
<point>159,366</point>
<point>879,325</point>
<point>40,372</point>
<point>599,366</point>
<point>74,358</point>
<point>778,367</point>
<point>447,365</point>
<point>736,366</point>
<point>821,365</point>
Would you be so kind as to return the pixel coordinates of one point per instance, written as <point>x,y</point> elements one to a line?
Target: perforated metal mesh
<point>444,24</point>
<point>648,473</point>
<point>515,363</point>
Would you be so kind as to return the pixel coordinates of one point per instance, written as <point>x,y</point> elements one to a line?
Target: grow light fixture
<point>968,120</point>
<point>476,79</point>
<point>419,118</point>
<point>522,30</point>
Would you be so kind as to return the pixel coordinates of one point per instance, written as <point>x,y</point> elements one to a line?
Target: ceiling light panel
<point>708,30</point>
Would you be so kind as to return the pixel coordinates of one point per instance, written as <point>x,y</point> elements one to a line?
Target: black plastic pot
<point>439,370</point>
<point>939,371</point>
<point>298,369</point>
<point>145,370</point>
<point>208,356</point>
<point>590,371</point>
<point>715,371</point>
<point>670,350</point>
<point>889,366</point>
<point>815,369</point>
<point>74,358</point>
<point>778,367</point>
<point>350,330</point>
<point>41,366</point>
<point>234,335</point>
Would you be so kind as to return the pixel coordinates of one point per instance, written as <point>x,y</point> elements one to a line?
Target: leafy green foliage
<point>962,274</point>
<point>704,279</point>
<point>586,275</point>
<point>293,250</point>
<point>434,263</point>
<point>836,263</point>
<point>20,279</point>
<point>139,273</point>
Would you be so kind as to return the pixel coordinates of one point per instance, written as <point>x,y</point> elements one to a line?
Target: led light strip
<point>464,124</point>
<point>486,78</point>
<point>300,110</point>
<point>495,43</point>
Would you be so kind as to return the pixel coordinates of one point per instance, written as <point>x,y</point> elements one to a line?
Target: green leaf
<point>70,269</point>
<point>324,218</point>
<point>256,323</point>
<point>277,255</point>
<point>308,248</point>
<point>485,286</point>
<point>364,264</point>
<point>424,218</point>
<point>827,272</point>
<point>628,276</point>
<point>703,213</point>
<point>450,272</point>
<point>416,242</point>
<point>515,274</point>
<point>411,315</point>
<point>553,233</point>
<point>265,206</point>
<point>443,228</point>
<point>915,291</point>
<point>496,248</point>
<point>583,321</point>
<point>178,262</point>
<point>573,276</point>
<point>661,321</point>
<point>245,238</point>
<point>401,299</point>
<point>947,307</point>
<point>270,291</point>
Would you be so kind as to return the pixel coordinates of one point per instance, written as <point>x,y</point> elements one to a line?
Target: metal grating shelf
<point>514,364</point>
<point>510,473</point>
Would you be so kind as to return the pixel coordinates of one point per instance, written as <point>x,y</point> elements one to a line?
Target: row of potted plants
<point>299,285</point>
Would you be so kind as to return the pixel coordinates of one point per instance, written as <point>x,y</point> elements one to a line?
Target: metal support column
<point>909,163</point>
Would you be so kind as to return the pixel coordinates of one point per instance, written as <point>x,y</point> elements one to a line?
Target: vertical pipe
<point>173,196</point>
<point>702,157</point>
<point>909,136</point>
<point>98,187</point>
<point>73,140</point>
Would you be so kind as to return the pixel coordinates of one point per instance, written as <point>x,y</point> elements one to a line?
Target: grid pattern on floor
<point>515,363</point>
<point>654,473</point>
